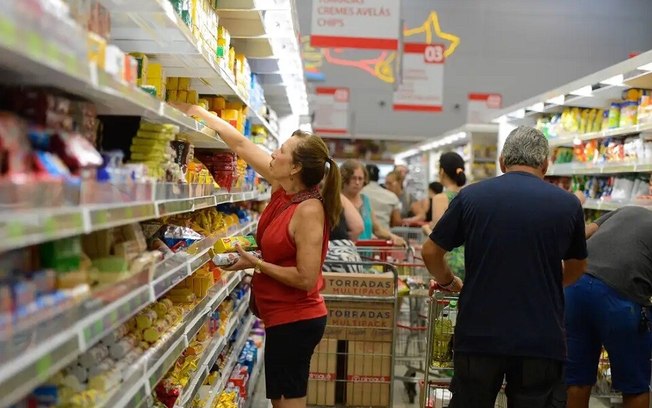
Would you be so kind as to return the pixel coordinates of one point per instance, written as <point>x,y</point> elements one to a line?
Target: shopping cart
<point>354,363</point>
<point>442,316</point>
<point>412,234</point>
<point>412,314</point>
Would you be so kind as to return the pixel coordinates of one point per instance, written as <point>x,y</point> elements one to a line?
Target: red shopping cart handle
<point>413,224</point>
<point>374,243</point>
<point>434,286</point>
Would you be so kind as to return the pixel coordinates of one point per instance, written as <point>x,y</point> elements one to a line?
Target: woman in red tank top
<point>292,234</point>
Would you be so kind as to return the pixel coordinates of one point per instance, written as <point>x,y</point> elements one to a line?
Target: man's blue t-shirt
<point>516,229</point>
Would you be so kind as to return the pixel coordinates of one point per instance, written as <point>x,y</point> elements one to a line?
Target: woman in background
<point>342,253</point>
<point>452,177</point>
<point>423,208</point>
<point>353,178</point>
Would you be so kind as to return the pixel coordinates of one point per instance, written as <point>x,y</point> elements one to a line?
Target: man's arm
<point>573,270</point>
<point>590,229</point>
<point>433,258</point>
<point>574,262</point>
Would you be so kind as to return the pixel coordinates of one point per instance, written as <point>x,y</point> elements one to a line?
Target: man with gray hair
<point>524,241</point>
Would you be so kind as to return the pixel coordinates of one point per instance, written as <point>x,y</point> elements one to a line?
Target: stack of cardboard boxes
<point>360,373</point>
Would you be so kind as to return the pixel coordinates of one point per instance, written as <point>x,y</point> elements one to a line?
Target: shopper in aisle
<point>524,241</point>
<point>423,209</point>
<point>385,204</point>
<point>610,306</point>
<point>434,188</point>
<point>342,254</point>
<point>292,235</point>
<point>452,178</point>
<point>403,170</point>
<point>451,174</point>
<point>353,176</point>
<point>409,203</point>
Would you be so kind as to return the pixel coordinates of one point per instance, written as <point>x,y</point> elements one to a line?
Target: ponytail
<point>312,154</point>
<point>331,193</point>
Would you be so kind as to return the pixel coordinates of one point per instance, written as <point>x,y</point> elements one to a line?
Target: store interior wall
<point>518,48</point>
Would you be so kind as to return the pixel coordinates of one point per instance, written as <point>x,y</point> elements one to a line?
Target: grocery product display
<point>600,138</point>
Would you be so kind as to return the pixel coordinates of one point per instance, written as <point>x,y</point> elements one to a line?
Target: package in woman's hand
<point>224,245</point>
<point>230,258</point>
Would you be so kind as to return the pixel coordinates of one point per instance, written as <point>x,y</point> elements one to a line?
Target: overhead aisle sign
<point>367,24</point>
<point>481,105</point>
<point>422,88</point>
<point>331,111</point>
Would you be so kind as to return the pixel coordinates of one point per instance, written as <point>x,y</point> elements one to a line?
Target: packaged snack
<point>229,244</point>
<point>628,113</point>
<point>230,258</point>
<point>614,115</point>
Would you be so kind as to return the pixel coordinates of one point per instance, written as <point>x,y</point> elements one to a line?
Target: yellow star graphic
<point>385,69</point>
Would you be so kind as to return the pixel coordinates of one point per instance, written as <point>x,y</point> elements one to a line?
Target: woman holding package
<point>292,235</point>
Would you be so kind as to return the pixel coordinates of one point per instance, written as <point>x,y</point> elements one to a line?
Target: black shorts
<point>531,382</point>
<point>288,350</point>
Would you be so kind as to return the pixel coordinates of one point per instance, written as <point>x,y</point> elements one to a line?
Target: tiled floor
<point>400,398</point>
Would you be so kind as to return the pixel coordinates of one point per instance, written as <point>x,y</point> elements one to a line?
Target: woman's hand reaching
<point>188,109</point>
<point>246,261</point>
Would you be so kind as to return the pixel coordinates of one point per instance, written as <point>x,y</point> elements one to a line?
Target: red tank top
<point>278,303</point>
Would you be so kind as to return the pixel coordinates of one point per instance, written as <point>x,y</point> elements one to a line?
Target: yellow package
<point>204,103</point>
<point>154,71</point>
<point>182,96</point>
<point>159,127</point>
<point>224,245</point>
<point>184,84</point>
<point>172,96</point>
<point>219,103</point>
<point>173,83</point>
<point>192,98</point>
<point>96,50</point>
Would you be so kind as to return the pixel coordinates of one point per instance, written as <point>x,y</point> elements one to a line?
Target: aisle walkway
<point>400,398</point>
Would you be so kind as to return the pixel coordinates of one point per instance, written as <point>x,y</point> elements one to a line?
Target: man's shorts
<point>597,315</point>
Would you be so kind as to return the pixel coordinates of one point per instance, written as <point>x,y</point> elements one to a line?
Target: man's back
<point>516,229</point>
<point>383,202</point>
<point>621,251</point>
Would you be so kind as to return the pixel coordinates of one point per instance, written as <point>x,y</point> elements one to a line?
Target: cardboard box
<point>323,372</point>
<point>361,315</point>
<point>368,374</point>
<point>358,284</point>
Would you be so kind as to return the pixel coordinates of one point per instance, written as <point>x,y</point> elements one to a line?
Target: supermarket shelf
<point>233,359</point>
<point>30,227</point>
<point>253,380</point>
<point>484,160</point>
<point>210,355</point>
<point>569,169</point>
<point>246,24</point>
<point>56,349</point>
<point>607,205</point>
<point>634,72</point>
<point>31,58</point>
<point>153,27</point>
<point>157,361</point>
<point>624,131</point>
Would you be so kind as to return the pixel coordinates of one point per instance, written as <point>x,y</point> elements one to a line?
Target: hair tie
<point>459,170</point>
